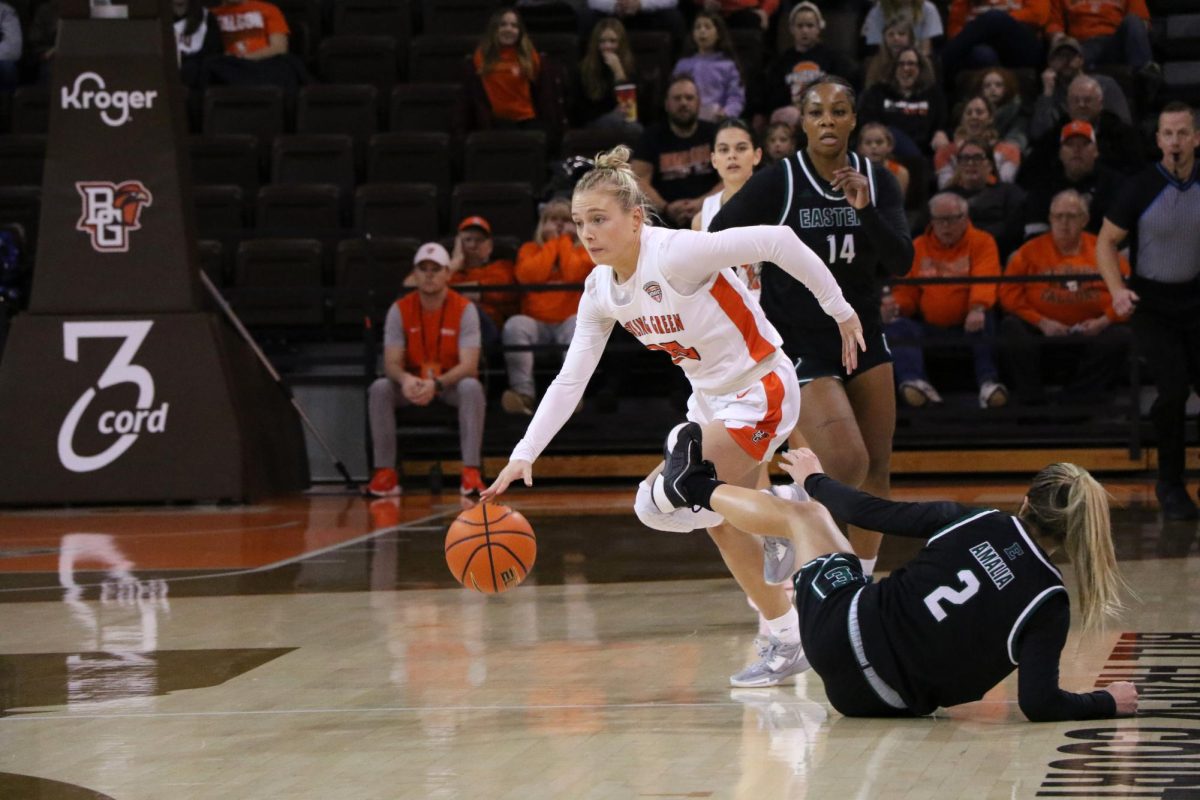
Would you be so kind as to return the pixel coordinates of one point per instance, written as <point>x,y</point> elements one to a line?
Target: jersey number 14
<point>846,253</point>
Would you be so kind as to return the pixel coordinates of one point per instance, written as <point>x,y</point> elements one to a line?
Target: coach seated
<point>430,352</point>
<point>1091,339</point>
<point>950,248</point>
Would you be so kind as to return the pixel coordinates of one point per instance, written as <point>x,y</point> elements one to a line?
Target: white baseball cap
<point>432,251</point>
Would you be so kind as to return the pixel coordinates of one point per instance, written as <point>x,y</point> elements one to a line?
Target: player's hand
<point>1124,692</point>
<point>854,185</point>
<point>800,463</point>
<point>852,342</point>
<point>1124,300</point>
<point>513,470</point>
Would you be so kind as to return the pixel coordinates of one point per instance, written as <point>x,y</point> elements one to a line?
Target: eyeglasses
<point>948,220</point>
<point>972,158</point>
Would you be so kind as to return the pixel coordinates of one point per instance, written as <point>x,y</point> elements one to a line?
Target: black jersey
<point>978,600</point>
<point>858,246</point>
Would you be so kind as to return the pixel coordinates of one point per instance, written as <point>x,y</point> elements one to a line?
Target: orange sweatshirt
<point>1068,303</point>
<point>497,305</point>
<point>558,260</point>
<point>1085,19</point>
<point>947,304</point>
<point>730,6</point>
<point>509,90</point>
<point>1031,12</point>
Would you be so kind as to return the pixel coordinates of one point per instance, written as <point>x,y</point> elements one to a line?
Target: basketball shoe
<point>683,457</point>
<point>472,482</point>
<point>779,553</point>
<point>778,663</point>
<point>384,483</point>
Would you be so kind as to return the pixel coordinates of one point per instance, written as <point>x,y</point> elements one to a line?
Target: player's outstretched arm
<point>513,470</point>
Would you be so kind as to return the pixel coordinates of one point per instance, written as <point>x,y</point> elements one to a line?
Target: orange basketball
<point>490,548</point>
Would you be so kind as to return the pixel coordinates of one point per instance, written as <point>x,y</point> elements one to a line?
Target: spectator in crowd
<point>910,103</point>
<point>713,65</point>
<point>506,86</point>
<point>554,256</point>
<point>1120,144</point>
<point>197,37</point>
<point>1112,32</point>
<point>673,159</point>
<point>255,34</point>
<point>876,143</point>
<point>805,61</point>
<point>41,40</point>
<point>1064,65</point>
<point>951,247</point>
<point>999,86</point>
<point>779,142</point>
<point>472,266</point>
<point>607,93</point>
<point>1076,168</point>
<point>735,155</point>
<point>742,13</point>
<point>1045,312</point>
<point>1159,208</point>
<point>995,207</point>
<point>984,33</point>
<point>656,15</point>
<point>898,34</point>
<point>430,352</point>
<point>10,47</point>
<point>922,14</point>
<point>977,121</point>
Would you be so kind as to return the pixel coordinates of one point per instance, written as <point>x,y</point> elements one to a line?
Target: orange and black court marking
<point>319,646</point>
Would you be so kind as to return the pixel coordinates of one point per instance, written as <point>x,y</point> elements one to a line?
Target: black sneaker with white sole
<point>683,457</point>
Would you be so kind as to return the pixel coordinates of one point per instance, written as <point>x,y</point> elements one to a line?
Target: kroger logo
<point>89,92</point>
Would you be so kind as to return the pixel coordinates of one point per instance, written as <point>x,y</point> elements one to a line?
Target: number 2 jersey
<point>859,246</point>
<point>685,300</point>
<point>978,601</point>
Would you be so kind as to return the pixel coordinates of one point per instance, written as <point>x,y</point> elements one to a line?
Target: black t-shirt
<point>979,600</point>
<point>858,246</point>
<point>682,165</point>
<point>1099,188</point>
<point>792,70</point>
<point>1162,216</point>
<point>919,115</point>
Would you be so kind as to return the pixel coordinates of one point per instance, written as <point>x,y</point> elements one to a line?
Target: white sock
<point>868,565</point>
<point>786,628</point>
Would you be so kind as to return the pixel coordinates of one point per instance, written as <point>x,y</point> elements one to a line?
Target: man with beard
<point>1076,168</point>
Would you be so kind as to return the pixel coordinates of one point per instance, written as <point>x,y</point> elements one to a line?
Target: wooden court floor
<point>317,647</point>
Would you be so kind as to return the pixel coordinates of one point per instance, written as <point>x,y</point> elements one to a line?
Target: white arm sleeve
<point>592,329</point>
<point>693,256</point>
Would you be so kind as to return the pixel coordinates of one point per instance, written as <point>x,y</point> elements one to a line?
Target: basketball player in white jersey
<point>735,155</point>
<point>675,291</point>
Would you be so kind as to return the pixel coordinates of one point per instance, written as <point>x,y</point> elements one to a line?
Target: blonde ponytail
<point>613,174</point>
<point>1070,506</point>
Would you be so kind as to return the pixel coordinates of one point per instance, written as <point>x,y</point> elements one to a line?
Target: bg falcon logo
<point>111,211</point>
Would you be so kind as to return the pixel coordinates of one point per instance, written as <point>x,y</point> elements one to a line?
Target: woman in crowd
<point>911,104</point>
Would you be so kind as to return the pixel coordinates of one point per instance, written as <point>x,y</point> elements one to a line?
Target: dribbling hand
<point>800,463</point>
<point>1125,693</point>
<point>513,470</point>
<point>852,342</point>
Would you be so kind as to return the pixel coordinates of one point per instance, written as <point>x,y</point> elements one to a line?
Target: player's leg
<point>808,525</point>
<point>873,399</point>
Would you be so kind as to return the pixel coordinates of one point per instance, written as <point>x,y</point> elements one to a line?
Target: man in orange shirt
<point>471,264</point>
<point>950,248</point>
<point>251,29</point>
<point>1111,31</point>
<point>1064,311</point>
<point>554,256</point>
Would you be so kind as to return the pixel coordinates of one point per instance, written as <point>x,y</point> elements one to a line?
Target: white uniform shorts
<point>759,417</point>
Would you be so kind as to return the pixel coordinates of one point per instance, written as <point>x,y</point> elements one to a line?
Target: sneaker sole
<point>389,493</point>
<point>789,678</point>
<point>513,403</point>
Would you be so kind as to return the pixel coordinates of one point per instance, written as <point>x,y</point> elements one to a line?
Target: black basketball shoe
<point>683,455</point>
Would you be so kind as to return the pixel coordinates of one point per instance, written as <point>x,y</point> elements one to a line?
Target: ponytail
<point>1070,506</point>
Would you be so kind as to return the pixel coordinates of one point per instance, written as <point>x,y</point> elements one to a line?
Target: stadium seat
<point>359,59</point>
<point>30,110</point>
<point>278,282</point>
<point>369,276</point>
<point>225,159</point>
<point>507,206</point>
<point>456,16</point>
<point>22,157</point>
<point>426,107</point>
<point>220,210</point>
<point>562,47</point>
<point>410,157</point>
<point>549,17</point>
<point>587,142</point>
<point>1179,35</point>
<point>312,158</point>
<point>339,108</point>
<point>397,209</point>
<point>306,13</point>
<point>254,110</point>
<point>211,257</point>
<point>299,210</point>
<point>655,56</point>
<point>440,59</point>
<point>374,18</point>
<point>505,156</point>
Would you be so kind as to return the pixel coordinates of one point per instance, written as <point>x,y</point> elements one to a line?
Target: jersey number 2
<point>934,599</point>
<point>847,251</point>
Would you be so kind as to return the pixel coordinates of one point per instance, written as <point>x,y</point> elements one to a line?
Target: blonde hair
<point>613,174</point>
<point>559,204</point>
<point>1070,506</point>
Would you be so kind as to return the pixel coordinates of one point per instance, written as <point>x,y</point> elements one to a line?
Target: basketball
<point>490,548</point>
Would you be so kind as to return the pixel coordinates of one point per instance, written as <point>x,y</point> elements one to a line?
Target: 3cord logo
<point>110,211</point>
<point>129,423</point>
<point>90,92</point>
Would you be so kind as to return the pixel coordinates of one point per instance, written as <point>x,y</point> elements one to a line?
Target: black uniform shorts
<point>825,588</point>
<point>815,359</point>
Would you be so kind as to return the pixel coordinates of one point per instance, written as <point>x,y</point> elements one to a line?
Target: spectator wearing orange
<point>1111,32</point>
<point>472,265</point>
<point>554,256</point>
<point>950,248</point>
<point>251,29</point>
<point>742,13</point>
<point>1070,311</point>
<point>976,120</point>
<point>508,86</point>
<point>985,33</point>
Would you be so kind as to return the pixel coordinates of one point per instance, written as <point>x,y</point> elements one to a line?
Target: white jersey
<point>685,300</point>
<point>749,274</point>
